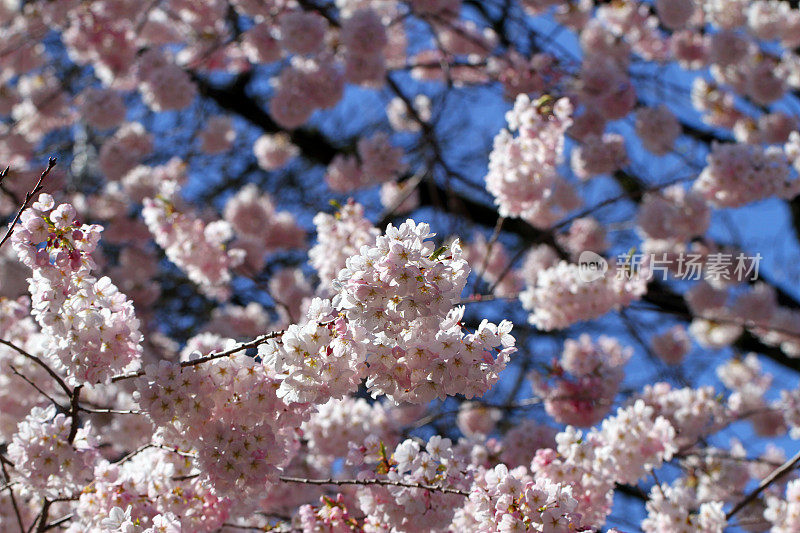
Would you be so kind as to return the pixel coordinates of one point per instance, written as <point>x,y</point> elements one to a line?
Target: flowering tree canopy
<point>399,265</point>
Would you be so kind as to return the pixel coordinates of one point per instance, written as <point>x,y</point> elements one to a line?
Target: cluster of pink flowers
<point>303,86</point>
<point>522,169</point>
<point>585,380</point>
<point>391,299</point>
<point>320,359</point>
<point>194,246</point>
<point>675,214</point>
<point>260,228</point>
<point>239,322</point>
<point>364,38</point>
<point>124,150</point>
<point>505,501</point>
<point>400,281</point>
<point>696,412</point>
<point>331,515</point>
<point>228,411</point>
<point>339,236</point>
<point>401,292</point>
<point>274,151</point>
<point>337,423</point>
<point>378,162</point>
<point>599,154</point>
<point>560,298</point>
<point>749,386</point>
<point>657,128</point>
<point>102,108</point>
<point>218,135</point>
<point>49,463</point>
<point>622,450</point>
<point>669,508</point>
<point>672,345</point>
<point>633,22</point>
<point>163,84</point>
<point>302,32</point>
<point>524,75</point>
<point>476,420</point>
<point>410,508</point>
<point>784,513</point>
<point>737,174</point>
<point>91,327</point>
<point>520,443</point>
<point>584,234</point>
<point>151,488</point>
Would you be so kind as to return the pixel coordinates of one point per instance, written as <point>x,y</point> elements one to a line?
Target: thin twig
<point>35,386</point>
<point>54,524</point>
<point>144,447</point>
<point>766,482</point>
<point>41,363</point>
<point>11,493</point>
<point>104,410</point>
<point>385,482</point>
<point>210,357</point>
<point>489,248</point>
<point>28,197</point>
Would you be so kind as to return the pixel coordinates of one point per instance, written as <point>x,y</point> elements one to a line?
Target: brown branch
<point>144,447</point>
<point>74,408</point>
<point>42,518</point>
<point>766,482</point>
<point>9,486</point>
<point>28,197</point>
<point>54,524</point>
<point>109,411</point>
<point>210,357</point>
<point>35,386</point>
<point>42,364</point>
<point>384,482</point>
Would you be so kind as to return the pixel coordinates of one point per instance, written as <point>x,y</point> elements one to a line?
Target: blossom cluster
<point>337,423</point>
<point>414,509</point>
<point>255,112</point>
<point>91,327</point>
<point>196,247</point>
<point>560,297</point>
<point>377,162</point>
<point>522,169</point>
<point>228,414</point>
<point>260,228</point>
<point>738,174</point>
<point>153,491</point>
<point>504,501</point>
<point>392,299</point>
<point>339,236</point>
<point>585,380</point>
<point>622,450</point>
<point>52,461</point>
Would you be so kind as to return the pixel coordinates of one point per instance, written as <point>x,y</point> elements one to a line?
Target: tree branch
<point>766,482</point>
<point>28,197</point>
<point>384,482</point>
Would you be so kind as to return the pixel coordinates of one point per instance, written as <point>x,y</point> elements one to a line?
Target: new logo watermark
<point>682,266</point>
<point>591,266</point>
